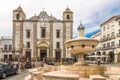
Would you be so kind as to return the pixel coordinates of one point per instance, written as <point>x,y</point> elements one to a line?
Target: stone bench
<point>97,77</point>
<point>114,77</point>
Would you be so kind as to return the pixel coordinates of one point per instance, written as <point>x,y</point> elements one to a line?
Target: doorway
<point>111,56</point>
<point>28,55</point>
<point>43,54</point>
<point>58,56</point>
<point>5,58</point>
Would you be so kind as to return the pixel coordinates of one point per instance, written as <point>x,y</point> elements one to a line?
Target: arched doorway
<point>42,50</point>
<point>111,56</point>
<point>104,57</point>
<point>98,53</point>
<point>43,53</point>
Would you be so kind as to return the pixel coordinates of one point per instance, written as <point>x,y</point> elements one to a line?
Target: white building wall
<point>39,26</point>
<point>5,41</point>
<point>28,26</point>
<point>57,26</point>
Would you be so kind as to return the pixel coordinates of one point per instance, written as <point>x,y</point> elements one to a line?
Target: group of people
<point>20,66</point>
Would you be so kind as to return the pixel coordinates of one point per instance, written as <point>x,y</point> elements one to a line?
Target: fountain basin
<point>59,75</point>
<point>81,45</point>
<point>74,72</point>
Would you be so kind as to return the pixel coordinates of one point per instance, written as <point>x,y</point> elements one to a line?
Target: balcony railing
<point>112,37</point>
<point>107,48</point>
<point>99,48</point>
<point>118,34</point>
<point>104,39</point>
<point>7,50</point>
<point>108,38</point>
<point>118,46</point>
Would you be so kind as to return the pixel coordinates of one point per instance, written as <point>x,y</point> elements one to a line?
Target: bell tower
<point>18,14</point>
<point>18,18</point>
<point>68,15</point>
<point>68,29</point>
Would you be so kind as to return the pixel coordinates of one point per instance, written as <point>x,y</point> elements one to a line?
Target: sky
<point>92,13</point>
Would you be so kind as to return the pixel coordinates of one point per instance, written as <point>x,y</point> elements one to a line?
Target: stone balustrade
<point>97,77</point>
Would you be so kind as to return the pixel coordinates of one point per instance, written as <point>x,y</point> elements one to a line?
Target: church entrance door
<point>43,53</point>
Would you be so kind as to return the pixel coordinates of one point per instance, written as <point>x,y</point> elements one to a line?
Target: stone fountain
<point>81,46</point>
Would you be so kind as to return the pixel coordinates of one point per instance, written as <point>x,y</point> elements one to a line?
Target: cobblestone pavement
<point>20,76</point>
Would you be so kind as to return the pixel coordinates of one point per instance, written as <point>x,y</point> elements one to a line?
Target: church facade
<point>41,36</point>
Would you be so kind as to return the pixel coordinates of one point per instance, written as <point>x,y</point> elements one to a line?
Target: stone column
<point>47,52</point>
<point>39,53</point>
<point>35,54</point>
<point>116,58</point>
<point>106,59</point>
<point>64,39</point>
<point>80,59</point>
<point>51,41</point>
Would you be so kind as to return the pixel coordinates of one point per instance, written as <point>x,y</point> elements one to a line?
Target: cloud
<point>91,12</point>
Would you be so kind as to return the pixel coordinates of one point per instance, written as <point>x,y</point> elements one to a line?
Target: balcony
<point>118,34</point>
<point>108,38</point>
<point>104,39</point>
<point>112,37</point>
<point>118,46</point>
<point>112,46</point>
<point>107,48</point>
<point>7,50</point>
<point>99,48</point>
<point>101,40</point>
<point>104,48</point>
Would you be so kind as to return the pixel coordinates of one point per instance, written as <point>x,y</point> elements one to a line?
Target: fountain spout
<point>80,30</point>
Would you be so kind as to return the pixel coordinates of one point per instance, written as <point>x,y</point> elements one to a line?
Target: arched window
<point>68,16</point>
<point>17,16</point>
<point>98,53</point>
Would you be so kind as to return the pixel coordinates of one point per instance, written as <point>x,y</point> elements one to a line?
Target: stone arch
<point>42,48</point>
<point>104,53</point>
<point>43,44</point>
<point>98,53</point>
<point>17,16</point>
<point>104,57</point>
<point>68,16</point>
<point>111,56</point>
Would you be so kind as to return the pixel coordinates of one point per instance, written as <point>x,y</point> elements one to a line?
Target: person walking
<point>98,62</point>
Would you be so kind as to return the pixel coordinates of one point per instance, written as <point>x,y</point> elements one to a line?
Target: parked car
<point>28,65</point>
<point>49,62</point>
<point>6,70</point>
